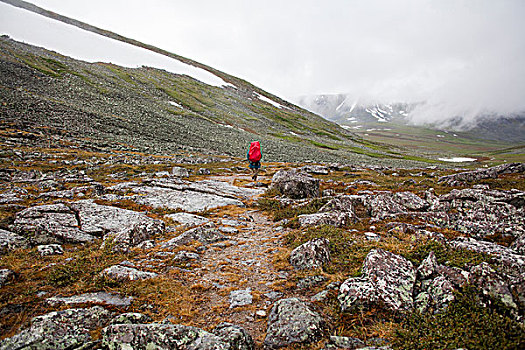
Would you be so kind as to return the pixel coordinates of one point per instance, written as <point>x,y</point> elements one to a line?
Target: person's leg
<point>255,174</point>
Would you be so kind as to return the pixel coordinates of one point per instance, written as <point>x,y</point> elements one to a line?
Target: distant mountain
<point>353,115</point>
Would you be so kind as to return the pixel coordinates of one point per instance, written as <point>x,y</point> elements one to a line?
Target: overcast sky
<point>461,57</point>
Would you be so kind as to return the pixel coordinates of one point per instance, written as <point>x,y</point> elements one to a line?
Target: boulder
<point>388,279</point>
<point>493,284</point>
<point>80,222</point>
<point>68,329</point>
<point>160,336</point>
<point>384,204</point>
<point>436,294</point>
<point>234,335</point>
<point>133,236</point>
<point>292,321</point>
<point>123,273</point>
<point>336,219</point>
<point>310,255</point>
<point>180,172</point>
<point>50,249</point>
<point>295,184</point>
<point>315,169</point>
<point>10,241</point>
<point>479,174</point>
<point>5,276</point>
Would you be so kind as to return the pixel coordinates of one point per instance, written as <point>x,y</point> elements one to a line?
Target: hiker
<point>254,155</point>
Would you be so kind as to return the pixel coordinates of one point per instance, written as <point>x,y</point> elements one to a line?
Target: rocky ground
<point>119,250</point>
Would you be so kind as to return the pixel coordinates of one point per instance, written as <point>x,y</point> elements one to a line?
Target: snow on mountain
<point>71,41</point>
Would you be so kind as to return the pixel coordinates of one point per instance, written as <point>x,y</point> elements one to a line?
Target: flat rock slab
<point>191,196</point>
<point>187,219</point>
<point>240,297</point>
<point>77,222</point>
<point>10,241</point>
<point>95,298</point>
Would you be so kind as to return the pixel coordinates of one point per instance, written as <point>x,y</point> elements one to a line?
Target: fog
<point>454,58</point>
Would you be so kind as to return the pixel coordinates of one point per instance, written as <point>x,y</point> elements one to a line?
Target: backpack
<point>254,155</point>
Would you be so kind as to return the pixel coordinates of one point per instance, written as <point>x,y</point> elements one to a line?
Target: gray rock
<point>436,295</point>
<point>160,336</point>
<point>131,318</point>
<point>493,284</point>
<point>188,219</point>
<point>204,171</point>
<point>10,241</point>
<point>206,234</point>
<point>312,254</point>
<point>123,273</point>
<point>292,321</point>
<point>133,236</point>
<point>345,342</point>
<point>387,278</point>
<point>428,267</point>
<point>240,297</point>
<point>295,184</point>
<point>68,329</point>
<point>479,174</point>
<point>315,169</point>
<point>507,258</point>
<point>192,196</point>
<point>180,172</point>
<point>234,335</point>
<point>337,219</point>
<point>5,276</point>
<point>93,298</point>
<point>77,222</point>
<point>50,249</point>
<point>183,256</point>
<point>228,230</point>
<point>384,204</point>
<point>310,281</point>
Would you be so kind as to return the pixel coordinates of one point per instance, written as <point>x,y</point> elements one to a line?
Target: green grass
<point>464,324</point>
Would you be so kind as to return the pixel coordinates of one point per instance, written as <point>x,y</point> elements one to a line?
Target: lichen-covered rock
<point>316,169</point>
<point>336,219</point>
<point>133,236</point>
<point>312,254</point>
<point>124,273</point>
<point>293,321</point>
<point>234,335</point>
<point>493,284</point>
<point>50,249</point>
<point>102,298</point>
<point>338,342</point>
<point>160,336</point>
<point>68,329</point>
<point>5,276</point>
<point>240,297</point>
<point>77,222</point>
<point>387,279</point>
<point>384,204</point>
<point>295,184</point>
<point>428,267</point>
<point>206,234</point>
<point>436,295</point>
<point>131,318</point>
<point>10,241</point>
<point>481,213</point>
<point>508,258</point>
<point>187,219</point>
<point>479,174</point>
<point>180,171</point>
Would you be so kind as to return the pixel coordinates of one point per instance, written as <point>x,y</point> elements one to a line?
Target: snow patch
<point>458,159</point>
<point>267,100</point>
<point>174,104</point>
<point>71,41</point>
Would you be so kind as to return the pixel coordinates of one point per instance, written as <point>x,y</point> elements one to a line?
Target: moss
<point>446,255</point>
<point>280,211</point>
<point>464,324</point>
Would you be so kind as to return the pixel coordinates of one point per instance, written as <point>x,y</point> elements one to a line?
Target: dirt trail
<point>243,262</point>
